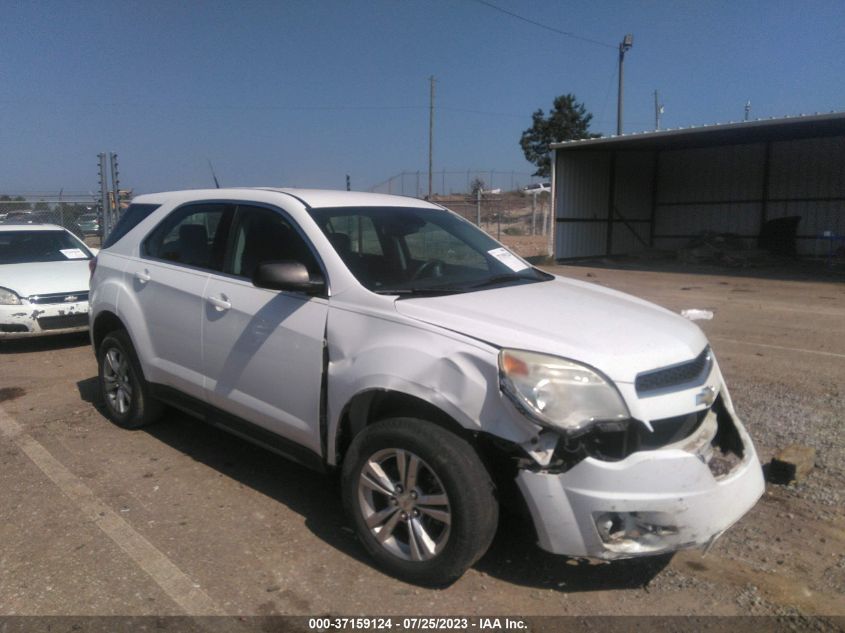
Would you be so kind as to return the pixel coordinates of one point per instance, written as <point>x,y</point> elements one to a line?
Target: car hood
<point>43,278</point>
<point>614,332</point>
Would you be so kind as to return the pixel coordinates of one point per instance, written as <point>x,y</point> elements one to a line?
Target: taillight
<point>92,265</point>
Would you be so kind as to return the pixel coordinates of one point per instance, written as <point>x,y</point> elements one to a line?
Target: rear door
<point>263,349</point>
<point>168,282</point>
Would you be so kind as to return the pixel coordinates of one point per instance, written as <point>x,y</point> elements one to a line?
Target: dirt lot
<point>184,518</point>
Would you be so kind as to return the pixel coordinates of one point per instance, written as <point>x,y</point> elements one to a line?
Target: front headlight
<point>559,392</point>
<point>9,298</point>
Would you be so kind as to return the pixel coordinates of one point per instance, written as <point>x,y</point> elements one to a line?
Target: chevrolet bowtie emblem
<point>706,396</point>
<point>71,298</point>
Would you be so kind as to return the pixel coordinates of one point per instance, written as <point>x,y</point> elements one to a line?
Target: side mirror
<point>287,275</point>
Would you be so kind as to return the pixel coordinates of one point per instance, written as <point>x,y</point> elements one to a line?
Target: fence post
<point>478,208</point>
<point>104,194</point>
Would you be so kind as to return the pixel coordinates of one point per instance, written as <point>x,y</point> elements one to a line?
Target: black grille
<point>13,327</point>
<point>614,441</point>
<point>687,374</point>
<point>65,321</point>
<point>60,297</point>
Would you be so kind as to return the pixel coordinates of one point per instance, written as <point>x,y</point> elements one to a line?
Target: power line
<point>482,112</point>
<point>544,26</point>
<point>258,107</point>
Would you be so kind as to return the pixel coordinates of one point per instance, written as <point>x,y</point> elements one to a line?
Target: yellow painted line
<point>172,580</point>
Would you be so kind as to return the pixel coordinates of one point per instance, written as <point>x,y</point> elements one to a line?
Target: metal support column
<point>611,201</point>
<point>764,202</point>
<point>655,183</point>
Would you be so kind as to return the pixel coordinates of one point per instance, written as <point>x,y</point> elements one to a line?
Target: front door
<point>263,349</point>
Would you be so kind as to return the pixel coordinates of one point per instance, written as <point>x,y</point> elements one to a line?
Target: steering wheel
<point>430,268</point>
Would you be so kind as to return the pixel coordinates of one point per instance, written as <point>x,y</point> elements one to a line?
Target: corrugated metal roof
<point>802,125</point>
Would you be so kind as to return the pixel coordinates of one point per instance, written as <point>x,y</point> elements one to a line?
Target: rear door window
<point>194,235</point>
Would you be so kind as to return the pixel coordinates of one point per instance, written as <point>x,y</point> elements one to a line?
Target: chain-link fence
<point>499,202</point>
<point>445,182</point>
<point>517,220</point>
<point>79,213</point>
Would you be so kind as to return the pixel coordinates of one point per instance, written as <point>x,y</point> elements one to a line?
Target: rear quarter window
<point>131,218</point>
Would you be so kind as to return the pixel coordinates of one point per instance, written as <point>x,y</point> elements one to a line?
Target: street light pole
<point>624,46</point>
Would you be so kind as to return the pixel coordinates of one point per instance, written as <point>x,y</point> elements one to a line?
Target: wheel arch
<point>104,323</point>
<point>373,405</point>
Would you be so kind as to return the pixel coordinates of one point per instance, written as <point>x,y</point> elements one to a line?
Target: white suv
<point>391,340</point>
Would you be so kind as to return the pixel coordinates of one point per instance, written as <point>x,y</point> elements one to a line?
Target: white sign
<point>508,259</point>
<point>73,253</point>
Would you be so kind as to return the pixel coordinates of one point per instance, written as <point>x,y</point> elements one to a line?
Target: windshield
<point>19,247</point>
<point>401,250</point>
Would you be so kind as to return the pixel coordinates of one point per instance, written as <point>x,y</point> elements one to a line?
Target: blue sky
<point>303,92</point>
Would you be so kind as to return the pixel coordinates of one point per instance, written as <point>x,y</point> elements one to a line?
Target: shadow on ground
<point>44,343</point>
<point>779,269</point>
<point>513,556</point>
<point>313,495</point>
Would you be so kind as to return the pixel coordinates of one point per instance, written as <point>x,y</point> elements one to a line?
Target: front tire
<point>125,393</point>
<point>421,500</point>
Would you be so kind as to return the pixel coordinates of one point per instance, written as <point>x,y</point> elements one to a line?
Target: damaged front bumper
<point>32,319</point>
<point>679,496</point>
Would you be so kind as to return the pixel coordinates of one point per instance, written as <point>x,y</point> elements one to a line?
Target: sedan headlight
<point>557,392</point>
<point>9,297</point>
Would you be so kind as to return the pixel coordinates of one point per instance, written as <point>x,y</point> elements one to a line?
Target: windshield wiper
<point>498,279</point>
<point>419,291</point>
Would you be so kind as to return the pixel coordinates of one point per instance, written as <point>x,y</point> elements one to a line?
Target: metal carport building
<point>624,194</point>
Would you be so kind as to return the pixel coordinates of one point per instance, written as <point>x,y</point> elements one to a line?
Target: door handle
<point>220,304</point>
<point>142,277</point>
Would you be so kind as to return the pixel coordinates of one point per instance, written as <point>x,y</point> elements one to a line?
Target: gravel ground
<point>260,536</point>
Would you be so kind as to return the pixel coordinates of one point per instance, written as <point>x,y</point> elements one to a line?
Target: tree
<point>5,208</point>
<point>568,120</point>
<point>476,186</point>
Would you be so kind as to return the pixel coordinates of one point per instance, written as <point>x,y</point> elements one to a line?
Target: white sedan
<point>43,281</point>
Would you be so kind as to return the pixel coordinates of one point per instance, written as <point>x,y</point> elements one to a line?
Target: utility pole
<point>624,46</point>
<point>348,184</point>
<point>658,111</point>
<point>747,109</point>
<point>430,135</point>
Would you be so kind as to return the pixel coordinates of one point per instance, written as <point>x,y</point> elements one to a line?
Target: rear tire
<point>125,392</point>
<point>421,501</point>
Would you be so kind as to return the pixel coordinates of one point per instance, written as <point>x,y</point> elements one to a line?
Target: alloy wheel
<point>404,504</point>
<point>118,385</point>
